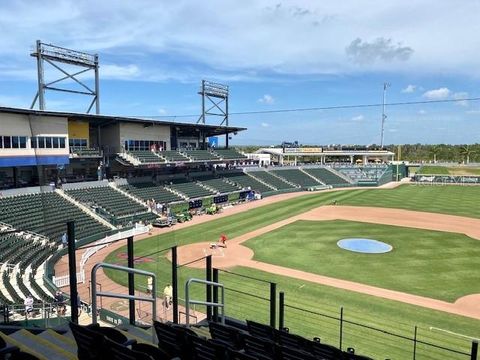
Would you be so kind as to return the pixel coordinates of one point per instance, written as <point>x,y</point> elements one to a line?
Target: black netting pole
<point>208,277</point>
<point>174,285</point>
<point>215,295</point>
<point>72,268</point>
<point>131,280</point>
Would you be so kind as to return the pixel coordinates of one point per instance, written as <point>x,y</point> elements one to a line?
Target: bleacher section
<point>172,155</point>
<point>365,173</point>
<point>298,177</point>
<point>219,185</point>
<point>272,180</point>
<point>148,191</point>
<point>46,214</point>
<point>220,342</point>
<point>189,189</point>
<point>146,157</point>
<point>327,177</point>
<point>114,203</point>
<point>243,180</point>
<point>199,155</point>
<point>229,154</point>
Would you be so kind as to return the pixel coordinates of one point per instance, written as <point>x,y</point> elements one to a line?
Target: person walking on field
<point>223,241</point>
<point>167,296</point>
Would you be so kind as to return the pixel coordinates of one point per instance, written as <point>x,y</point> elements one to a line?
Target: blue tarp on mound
<point>366,246</point>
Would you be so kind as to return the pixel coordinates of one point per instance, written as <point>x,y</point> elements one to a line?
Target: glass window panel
<point>55,142</point>
<point>7,142</point>
<point>41,142</point>
<point>1,142</point>
<point>48,142</point>
<point>62,143</point>
<point>15,143</point>
<point>83,142</point>
<point>71,142</point>
<point>23,142</point>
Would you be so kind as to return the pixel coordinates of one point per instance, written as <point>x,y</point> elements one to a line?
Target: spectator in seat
<point>28,306</point>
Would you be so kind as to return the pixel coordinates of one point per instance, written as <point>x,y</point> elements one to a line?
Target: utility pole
<point>385,86</point>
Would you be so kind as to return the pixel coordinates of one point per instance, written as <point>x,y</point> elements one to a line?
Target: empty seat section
<point>47,214</point>
<point>327,177</point>
<point>148,191</point>
<point>230,154</point>
<point>190,189</point>
<point>219,185</point>
<point>277,183</point>
<point>243,180</point>
<point>297,177</point>
<point>198,155</point>
<point>172,155</point>
<point>112,202</point>
<point>146,157</point>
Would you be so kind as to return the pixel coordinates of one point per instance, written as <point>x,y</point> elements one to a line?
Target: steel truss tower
<point>55,56</point>
<point>217,95</point>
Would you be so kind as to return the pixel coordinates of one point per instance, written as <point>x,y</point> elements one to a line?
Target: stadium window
<point>23,142</point>
<point>62,143</point>
<point>15,144</point>
<point>7,142</point>
<point>48,142</point>
<point>55,142</point>
<point>83,142</point>
<point>1,142</point>
<point>70,142</point>
<point>41,142</point>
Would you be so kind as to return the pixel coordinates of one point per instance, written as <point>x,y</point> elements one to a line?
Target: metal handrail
<point>200,302</point>
<point>95,293</point>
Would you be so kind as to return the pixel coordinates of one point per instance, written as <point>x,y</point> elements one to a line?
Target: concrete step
<point>145,335</point>
<point>65,342</point>
<point>41,346</point>
<point>25,348</point>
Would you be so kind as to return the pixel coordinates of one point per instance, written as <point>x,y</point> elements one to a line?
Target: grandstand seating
<point>272,180</point>
<point>189,189</point>
<point>327,177</point>
<point>245,181</point>
<point>148,191</point>
<point>172,155</point>
<point>198,155</point>
<point>146,157</point>
<point>86,152</point>
<point>46,214</point>
<point>219,185</point>
<point>112,202</point>
<point>229,154</point>
<point>296,176</point>
<point>365,173</point>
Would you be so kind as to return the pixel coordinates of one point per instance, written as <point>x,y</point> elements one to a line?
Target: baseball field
<point>430,280</point>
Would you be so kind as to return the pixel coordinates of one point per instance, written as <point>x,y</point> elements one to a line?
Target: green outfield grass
<point>434,264</point>
<point>450,170</point>
<point>437,170</point>
<point>453,200</point>
<point>248,299</point>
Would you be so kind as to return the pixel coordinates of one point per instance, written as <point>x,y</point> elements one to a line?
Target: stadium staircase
<point>84,208</point>
<point>145,157</point>
<point>126,193</point>
<point>173,156</point>
<point>342,175</point>
<point>218,185</point>
<point>229,154</point>
<point>201,155</point>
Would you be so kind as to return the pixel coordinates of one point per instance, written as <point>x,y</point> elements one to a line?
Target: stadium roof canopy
<point>104,120</point>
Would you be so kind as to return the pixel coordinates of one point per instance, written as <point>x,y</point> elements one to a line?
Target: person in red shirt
<point>223,240</point>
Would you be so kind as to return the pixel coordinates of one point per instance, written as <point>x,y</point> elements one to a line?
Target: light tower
<point>56,56</point>
<point>384,116</point>
<point>217,95</point>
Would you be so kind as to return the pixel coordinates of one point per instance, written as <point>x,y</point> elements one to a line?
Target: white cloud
<point>265,125</point>
<point>422,112</point>
<point>459,96</point>
<point>473,112</point>
<point>392,130</point>
<point>358,118</point>
<point>131,31</point>
<point>162,111</point>
<point>409,89</point>
<point>127,72</point>
<point>266,99</point>
<point>364,52</point>
<point>437,94</point>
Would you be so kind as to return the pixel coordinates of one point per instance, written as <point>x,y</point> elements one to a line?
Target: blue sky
<point>273,55</point>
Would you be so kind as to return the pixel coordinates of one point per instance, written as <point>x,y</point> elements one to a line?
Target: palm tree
<point>465,152</point>
<point>434,150</point>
